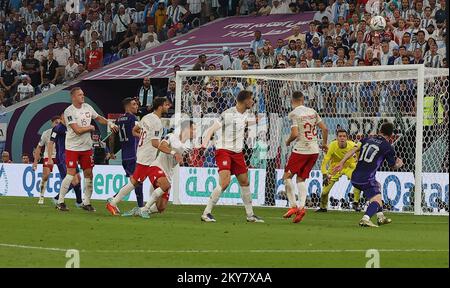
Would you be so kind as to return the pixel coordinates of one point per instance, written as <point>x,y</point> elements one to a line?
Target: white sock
<point>247,199</point>
<point>290,192</point>
<point>301,194</point>
<point>380,215</point>
<point>124,191</point>
<point>153,197</point>
<point>215,195</point>
<point>87,191</point>
<point>65,185</point>
<point>154,209</point>
<point>43,186</point>
<point>366,217</point>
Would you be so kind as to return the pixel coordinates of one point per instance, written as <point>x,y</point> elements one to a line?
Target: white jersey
<point>230,135</point>
<point>151,128</point>
<point>82,117</point>
<point>166,162</point>
<point>306,120</point>
<point>43,142</point>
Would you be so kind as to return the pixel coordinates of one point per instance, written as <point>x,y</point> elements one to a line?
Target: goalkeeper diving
<point>336,152</point>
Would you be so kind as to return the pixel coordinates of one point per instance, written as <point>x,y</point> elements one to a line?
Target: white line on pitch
<point>32,247</point>
<point>228,251</point>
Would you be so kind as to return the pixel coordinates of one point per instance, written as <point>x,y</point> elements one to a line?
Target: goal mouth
<point>356,99</point>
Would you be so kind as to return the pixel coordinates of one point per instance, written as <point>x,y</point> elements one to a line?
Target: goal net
<point>357,99</point>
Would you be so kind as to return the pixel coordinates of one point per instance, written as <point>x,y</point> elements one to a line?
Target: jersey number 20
<point>310,130</point>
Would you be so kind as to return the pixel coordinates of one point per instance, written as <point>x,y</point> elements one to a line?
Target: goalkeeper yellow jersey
<point>335,155</point>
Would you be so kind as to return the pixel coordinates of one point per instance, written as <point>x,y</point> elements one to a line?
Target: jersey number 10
<point>369,151</point>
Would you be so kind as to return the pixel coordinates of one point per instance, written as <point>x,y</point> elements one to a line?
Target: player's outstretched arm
<point>209,133</point>
<point>81,130</point>
<point>49,147</point>
<point>398,164</point>
<point>164,147</point>
<point>324,129</point>
<point>102,120</point>
<point>347,156</point>
<point>36,156</point>
<point>292,136</point>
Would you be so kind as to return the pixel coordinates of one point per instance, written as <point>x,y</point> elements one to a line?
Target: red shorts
<point>152,172</point>
<point>83,157</point>
<point>231,161</point>
<point>301,164</point>
<point>50,167</point>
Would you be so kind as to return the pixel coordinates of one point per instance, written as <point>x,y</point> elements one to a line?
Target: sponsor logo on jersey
<point>69,118</point>
<point>224,162</point>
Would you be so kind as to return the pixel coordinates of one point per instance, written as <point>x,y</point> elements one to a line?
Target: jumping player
<point>229,156</point>
<point>58,141</point>
<point>336,151</point>
<point>151,130</point>
<point>78,117</point>
<point>46,169</point>
<point>305,152</point>
<point>129,141</point>
<point>375,150</point>
<point>161,170</point>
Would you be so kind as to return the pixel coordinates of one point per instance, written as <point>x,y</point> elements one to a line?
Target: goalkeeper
<point>336,151</point>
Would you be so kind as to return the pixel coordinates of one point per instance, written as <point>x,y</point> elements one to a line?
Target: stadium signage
<point>193,185</point>
<point>196,184</point>
<point>234,32</point>
<point>107,181</point>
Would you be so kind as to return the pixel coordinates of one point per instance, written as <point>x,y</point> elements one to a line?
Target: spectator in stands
<point>6,157</point>
<point>201,63</point>
<point>145,96</point>
<point>433,60</point>
<point>318,16</point>
<point>71,69</point>
<point>195,9</point>
<point>9,80</point>
<point>171,96</point>
<point>32,67</point>
<point>46,86</point>
<point>264,8</point>
<point>120,25</point>
<point>94,57</point>
<point>151,42</point>
<point>227,60</point>
<point>279,7</point>
<point>24,89</point>
<point>25,158</point>
<point>160,16</point>
<point>257,43</point>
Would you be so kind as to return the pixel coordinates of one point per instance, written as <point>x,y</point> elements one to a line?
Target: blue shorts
<point>370,188</point>
<point>129,166</point>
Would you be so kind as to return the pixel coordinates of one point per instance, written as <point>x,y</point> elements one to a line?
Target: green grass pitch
<point>37,236</point>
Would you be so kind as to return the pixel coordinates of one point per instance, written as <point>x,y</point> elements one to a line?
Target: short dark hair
<point>73,90</point>
<point>158,102</point>
<point>244,95</point>
<point>297,95</point>
<point>127,101</point>
<point>340,130</point>
<point>387,129</point>
<point>25,154</point>
<point>56,117</point>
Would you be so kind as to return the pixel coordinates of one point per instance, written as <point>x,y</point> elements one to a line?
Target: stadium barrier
<point>194,185</point>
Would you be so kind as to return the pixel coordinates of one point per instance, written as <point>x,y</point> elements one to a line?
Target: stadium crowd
<point>47,42</point>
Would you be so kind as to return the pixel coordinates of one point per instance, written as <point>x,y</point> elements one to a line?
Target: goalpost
<point>357,99</point>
